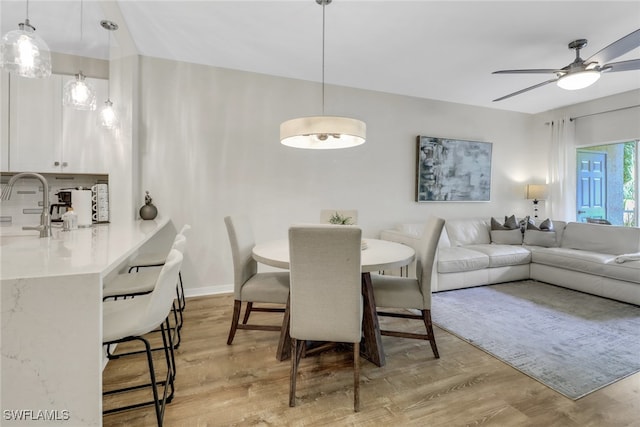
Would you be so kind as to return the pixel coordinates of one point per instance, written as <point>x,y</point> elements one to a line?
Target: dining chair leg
<point>294,372</point>
<point>247,312</point>
<point>356,377</point>
<point>426,317</point>
<point>284,343</point>
<point>237,305</point>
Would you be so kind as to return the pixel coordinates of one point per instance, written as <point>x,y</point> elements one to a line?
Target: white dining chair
<point>126,320</point>
<point>326,293</point>
<point>412,293</point>
<point>249,286</point>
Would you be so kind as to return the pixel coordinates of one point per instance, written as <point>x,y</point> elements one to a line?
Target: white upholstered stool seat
<point>132,284</point>
<point>150,259</point>
<point>129,320</point>
<point>143,282</point>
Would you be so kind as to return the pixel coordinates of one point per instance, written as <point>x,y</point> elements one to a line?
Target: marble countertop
<point>97,249</point>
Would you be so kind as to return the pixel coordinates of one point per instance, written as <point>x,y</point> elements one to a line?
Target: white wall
<point>209,147</point>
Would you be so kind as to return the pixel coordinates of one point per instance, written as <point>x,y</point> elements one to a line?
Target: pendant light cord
<point>323,31</point>
<point>27,10</point>
<point>81,17</point>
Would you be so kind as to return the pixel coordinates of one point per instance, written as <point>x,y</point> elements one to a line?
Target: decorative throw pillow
<point>506,237</point>
<point>495,225</point>
<point>547,225</point>
<point>511,222</point>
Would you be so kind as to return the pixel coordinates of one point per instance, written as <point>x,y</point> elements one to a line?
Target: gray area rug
<point>572,342</point>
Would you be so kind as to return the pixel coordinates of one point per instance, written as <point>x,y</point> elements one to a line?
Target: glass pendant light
<point>24,53</point>
<point>79,94</point>
<point>107,117</point>
<point>323,132</point>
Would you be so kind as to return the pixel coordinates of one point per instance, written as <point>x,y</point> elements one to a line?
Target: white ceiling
<point>444,50</point>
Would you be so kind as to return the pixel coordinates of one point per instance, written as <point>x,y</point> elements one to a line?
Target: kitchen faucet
<point>45,220</point>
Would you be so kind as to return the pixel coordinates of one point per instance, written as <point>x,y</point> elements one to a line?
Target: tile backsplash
<point>25,205</point>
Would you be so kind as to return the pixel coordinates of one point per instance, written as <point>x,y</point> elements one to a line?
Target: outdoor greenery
<point>628,185</point>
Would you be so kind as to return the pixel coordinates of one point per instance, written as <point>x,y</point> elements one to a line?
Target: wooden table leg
<point>371,346</point>
<point>284,344</point>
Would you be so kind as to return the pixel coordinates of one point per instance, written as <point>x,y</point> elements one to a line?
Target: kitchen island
<point>51,320</point>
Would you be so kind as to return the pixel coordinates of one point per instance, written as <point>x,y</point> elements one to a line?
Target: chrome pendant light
<point>24,53</point>
<point>79,94</point>
<point>323,132</point>
<point>107,117</point>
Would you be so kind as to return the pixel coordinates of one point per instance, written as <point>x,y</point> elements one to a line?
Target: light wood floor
<point>243,384</point>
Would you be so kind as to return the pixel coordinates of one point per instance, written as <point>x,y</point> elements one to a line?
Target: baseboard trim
<point>208,290</point>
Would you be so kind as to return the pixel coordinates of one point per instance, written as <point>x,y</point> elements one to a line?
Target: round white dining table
<point>377,255</point>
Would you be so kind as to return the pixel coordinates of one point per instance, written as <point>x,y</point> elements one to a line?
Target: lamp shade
<point>578,80</point>
<point>323,132</point>
<point>23,52</point>
<point>536,191</point>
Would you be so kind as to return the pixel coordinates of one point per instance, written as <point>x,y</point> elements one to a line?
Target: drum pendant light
<point>323,132</point>
<point>24,53</point>
<point>107,117</point>
<point>79,94</point>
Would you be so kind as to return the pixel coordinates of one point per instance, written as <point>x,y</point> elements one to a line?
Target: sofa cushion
<point>463,232</point>
<point>548,239</point>
<point>506,237</point>
<point>456,259</point>
<point>606,239</point>
<point>629,271</point>
<point>503,255</point>
<point>587,262</point>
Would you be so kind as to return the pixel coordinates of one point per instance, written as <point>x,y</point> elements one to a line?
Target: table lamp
<point>536,192</point>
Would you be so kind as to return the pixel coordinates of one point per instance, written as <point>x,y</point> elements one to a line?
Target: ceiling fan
<point>582,73</point>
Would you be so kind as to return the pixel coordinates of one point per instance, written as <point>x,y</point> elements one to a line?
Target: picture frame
<point>452,170</point>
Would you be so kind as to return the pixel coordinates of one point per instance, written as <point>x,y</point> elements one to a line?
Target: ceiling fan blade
<point>633,64</point>
<point>525,90</point>
<point>532,71</point>
<point>617,48</point>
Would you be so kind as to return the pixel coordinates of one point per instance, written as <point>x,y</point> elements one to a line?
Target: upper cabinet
<point>45,136</point>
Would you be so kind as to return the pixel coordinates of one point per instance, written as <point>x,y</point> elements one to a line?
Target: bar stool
<point>126,320</point>
<point>142,283</point>
<point>156,259</point>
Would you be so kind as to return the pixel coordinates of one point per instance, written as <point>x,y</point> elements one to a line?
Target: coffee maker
<point>58,209</point>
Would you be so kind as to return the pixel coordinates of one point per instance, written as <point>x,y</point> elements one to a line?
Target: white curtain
<point>561,203</point>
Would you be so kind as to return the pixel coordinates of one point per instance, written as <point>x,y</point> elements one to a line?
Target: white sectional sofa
<point>602,260</point>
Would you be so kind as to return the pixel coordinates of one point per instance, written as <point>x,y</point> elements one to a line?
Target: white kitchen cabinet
<point>45,136</point>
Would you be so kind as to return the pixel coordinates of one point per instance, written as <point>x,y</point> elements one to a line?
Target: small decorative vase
<point>148,211</point>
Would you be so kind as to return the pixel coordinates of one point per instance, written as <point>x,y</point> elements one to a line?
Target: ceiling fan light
<point>24,53</point>
<point>323,132</point>
<point>579,80</point>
